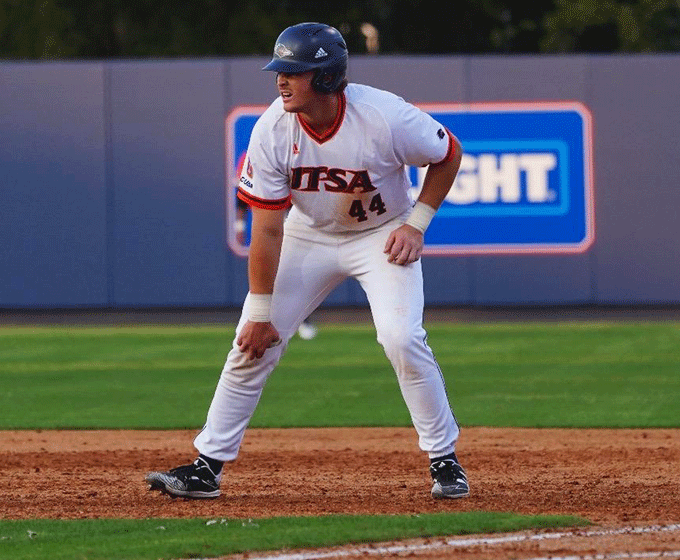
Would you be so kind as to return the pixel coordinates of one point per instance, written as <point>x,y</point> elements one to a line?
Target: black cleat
<point>449,478</point>
<point>188,481</point>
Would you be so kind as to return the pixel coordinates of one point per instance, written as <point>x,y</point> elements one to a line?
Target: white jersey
<point>351,178</point>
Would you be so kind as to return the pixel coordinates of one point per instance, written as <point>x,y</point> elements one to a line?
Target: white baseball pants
<point>312,264</point>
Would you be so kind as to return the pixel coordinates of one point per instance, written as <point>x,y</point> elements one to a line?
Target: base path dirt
<point>614,478</point>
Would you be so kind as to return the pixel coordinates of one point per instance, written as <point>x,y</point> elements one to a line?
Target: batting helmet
<point>312,46</point>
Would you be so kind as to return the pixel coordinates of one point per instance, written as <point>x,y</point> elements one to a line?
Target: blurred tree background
<point>106,29</point>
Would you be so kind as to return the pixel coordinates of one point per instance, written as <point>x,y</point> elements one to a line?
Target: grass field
<point>536,375</point>
<point>119,539</point>
<point>590,374</point>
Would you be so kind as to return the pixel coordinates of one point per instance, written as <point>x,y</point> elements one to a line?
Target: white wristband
<point>421,216</point>
<point>259,309</point>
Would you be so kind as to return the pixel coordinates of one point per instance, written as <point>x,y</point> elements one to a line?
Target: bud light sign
<point>524,184</point>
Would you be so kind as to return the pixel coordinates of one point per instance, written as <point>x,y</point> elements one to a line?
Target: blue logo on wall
<point>524,185</point>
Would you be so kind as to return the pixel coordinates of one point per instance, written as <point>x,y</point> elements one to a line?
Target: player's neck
<point>322,114</point>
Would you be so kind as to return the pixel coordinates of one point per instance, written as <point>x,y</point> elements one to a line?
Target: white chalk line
<point>477,541</point>
<point>616,556</point>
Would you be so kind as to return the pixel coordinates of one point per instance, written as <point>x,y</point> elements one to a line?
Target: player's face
<point>296,91</point>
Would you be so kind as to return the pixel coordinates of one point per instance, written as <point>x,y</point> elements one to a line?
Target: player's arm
<point>258,333</point>
<point>439,178</point>
<point>405,244</point>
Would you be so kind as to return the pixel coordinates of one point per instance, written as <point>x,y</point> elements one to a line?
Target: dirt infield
<point>614,478</point>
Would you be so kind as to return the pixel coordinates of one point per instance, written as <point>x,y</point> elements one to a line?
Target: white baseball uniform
<point>349,190</point>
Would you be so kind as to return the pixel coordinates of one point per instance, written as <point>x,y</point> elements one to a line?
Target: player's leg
<point>395,295</point>
<point>307,273</point>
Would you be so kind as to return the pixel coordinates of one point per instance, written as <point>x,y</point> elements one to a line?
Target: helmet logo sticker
<point>320,53</point>
<point>282,50</point>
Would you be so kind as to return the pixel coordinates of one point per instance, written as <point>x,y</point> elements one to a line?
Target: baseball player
<point>335,154</point>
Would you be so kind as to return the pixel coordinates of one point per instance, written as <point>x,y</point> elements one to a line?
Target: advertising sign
<point>524,184</point>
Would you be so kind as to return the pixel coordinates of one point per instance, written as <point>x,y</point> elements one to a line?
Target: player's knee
<point>398,344</point>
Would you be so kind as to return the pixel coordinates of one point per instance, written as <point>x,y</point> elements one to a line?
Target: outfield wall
<point>112,179</point>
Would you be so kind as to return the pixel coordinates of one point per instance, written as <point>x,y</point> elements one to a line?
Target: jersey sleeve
<point>263,182</point>
<point>418,138</point>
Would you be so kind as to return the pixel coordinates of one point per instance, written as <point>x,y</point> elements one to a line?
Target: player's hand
<point>404,245</point>
<point>256,337</point>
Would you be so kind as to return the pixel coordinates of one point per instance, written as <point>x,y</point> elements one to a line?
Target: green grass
<point>599,374</point>
<point>151,539</point>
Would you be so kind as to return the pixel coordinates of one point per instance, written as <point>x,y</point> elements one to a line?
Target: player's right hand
<point>404,245</point>
<point>256,337</point>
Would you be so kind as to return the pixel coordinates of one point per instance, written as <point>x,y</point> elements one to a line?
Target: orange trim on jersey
<point>450,152</point>
<point>251,200</point>
<point>328,134</point>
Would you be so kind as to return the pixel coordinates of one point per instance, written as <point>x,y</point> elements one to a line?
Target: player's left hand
<point>255,338</point>
<point>404,245</point>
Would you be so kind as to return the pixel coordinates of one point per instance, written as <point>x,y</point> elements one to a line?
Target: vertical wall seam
<point>592,259</point>
<point>110,190</point>
<point>226,108</point>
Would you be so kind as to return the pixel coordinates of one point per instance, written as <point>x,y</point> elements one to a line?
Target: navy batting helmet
<point>312,46</point>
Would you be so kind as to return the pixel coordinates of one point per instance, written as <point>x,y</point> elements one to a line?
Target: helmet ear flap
<point>325,81</point>
<point>318,80</point>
